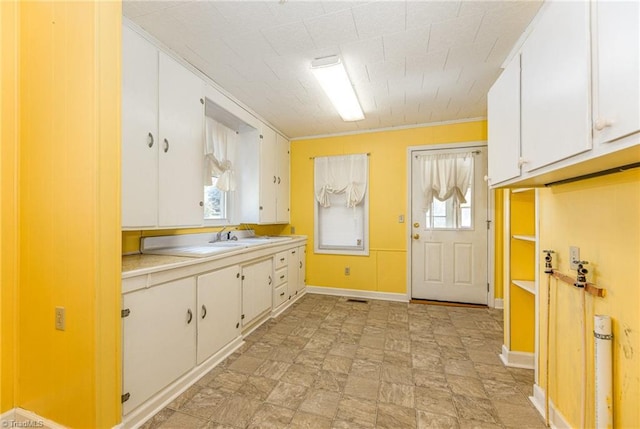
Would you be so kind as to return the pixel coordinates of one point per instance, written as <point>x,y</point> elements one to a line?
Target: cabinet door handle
<point>150,140</point>
<point>300,264</point>
<point>281,259</point>
<point>281,277</point>
<point>522,162</point>
<point>166,145</point>
<point>281,293</point>
<point>270,280</point>
<point>189,316</point>
<point>204,311</point>
<point>278,180</point>
<point>274,179</point>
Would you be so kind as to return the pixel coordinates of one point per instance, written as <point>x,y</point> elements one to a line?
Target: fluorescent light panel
<point>335,82</point>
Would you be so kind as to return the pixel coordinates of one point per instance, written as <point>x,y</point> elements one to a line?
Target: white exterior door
<point>449,245</point>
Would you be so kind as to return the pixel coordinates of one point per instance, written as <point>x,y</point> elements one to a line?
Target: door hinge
<point>488,224</point>
<point>487,287</point>
<point>124,398</point>
<point>125,313</point>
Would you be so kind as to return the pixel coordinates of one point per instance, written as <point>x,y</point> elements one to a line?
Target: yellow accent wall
<point>602,217</point>
<point>385,269</point>
<point>8,201</point>
<point>61,211</point>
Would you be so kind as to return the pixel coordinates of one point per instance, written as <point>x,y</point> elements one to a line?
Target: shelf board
<point>528,285</point>
<point>518,190</point>
<point>524,237</point>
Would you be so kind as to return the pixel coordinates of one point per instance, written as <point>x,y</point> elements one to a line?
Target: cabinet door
<point>282,197</point>
<point>181,161</point>
<point>139,131</point>
<point>302,261</point>
<point>218,310</point>
<point>159,337</point>
<point>504,124</point>
<point>294,272</point>
<point>617,70</point>
<point>268,176</point>
<point>556,115</point>
<point>257,290</point>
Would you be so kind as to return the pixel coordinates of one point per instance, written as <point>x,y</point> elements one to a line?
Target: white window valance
<point>345,174</point>
<point>445,176</point>
<point>220,143</point>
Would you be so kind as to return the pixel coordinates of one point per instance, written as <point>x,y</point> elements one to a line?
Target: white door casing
<point>450,264</point>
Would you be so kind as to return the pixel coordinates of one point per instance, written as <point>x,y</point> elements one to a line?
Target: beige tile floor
<point>330,363</point>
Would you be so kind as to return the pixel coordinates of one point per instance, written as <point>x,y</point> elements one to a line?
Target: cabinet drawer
<point>280,295</point>
<point>282,276</point>
<point>281,259</point>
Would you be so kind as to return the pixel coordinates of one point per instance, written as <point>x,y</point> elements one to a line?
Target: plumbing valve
<point>548,261</point>
<point>581,280</point>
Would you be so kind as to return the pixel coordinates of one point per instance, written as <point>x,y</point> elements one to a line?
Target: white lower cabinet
<point>219,295</point>
<point>177,322</point>
<point>159,332</point>
<point>257,288</point>
<point>302,266</point>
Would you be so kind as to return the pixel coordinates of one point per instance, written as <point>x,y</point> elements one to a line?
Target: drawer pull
<point>281,259</point>
<point>281,277</point>
<point>281,293</point>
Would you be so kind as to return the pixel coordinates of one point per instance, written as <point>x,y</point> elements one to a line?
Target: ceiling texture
<point>410,62</point>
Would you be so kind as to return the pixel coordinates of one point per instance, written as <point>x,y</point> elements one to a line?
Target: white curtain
<point>220,143</point>
<point>445,176</point>
<point>346,174</point>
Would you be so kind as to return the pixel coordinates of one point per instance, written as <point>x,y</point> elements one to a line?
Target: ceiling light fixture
<point>335,82</point>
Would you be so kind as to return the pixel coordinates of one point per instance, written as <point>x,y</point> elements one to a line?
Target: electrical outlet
<point>347,271</point>
<point>574,257</point>
<point>293,230</point>
<point>60,318</point>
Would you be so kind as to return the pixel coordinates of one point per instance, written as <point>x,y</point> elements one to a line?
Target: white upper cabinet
<point>504,125</point>
<point>555,83</point>
<point>181,117</point>
<point>263,166</point>
<point>616,112</point>
<point>139,131</point>
<point>162,138</point>
<point>283,170</point>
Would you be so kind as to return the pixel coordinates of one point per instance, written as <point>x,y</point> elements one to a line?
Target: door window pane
<point>449,215</point>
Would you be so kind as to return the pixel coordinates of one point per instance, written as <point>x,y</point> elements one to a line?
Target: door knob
<point>416,225</point>
<point>416,236</point>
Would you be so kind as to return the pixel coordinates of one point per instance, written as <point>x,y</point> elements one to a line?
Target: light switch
<point>401,218</point>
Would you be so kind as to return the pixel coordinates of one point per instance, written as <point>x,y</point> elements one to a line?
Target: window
<point>341,204</point>
<point>219,181</point>
<point>447,183</point>
<point>443,214</point>
<point>215,202</point>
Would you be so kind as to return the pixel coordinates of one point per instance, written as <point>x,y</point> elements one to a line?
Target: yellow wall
<point>602,217</point>
<point>384,270</point>
<point>8,202</point>
<point>67,236</point>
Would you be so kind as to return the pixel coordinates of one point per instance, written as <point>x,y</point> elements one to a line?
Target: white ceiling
<point>411,62</point>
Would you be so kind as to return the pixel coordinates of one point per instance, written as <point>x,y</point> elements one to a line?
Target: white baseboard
<point>19,417</point>
<point>354,293</point>
<point>556,419</point>
<point>517,359</point>
<point>498,303</point>
<point>161,399</point>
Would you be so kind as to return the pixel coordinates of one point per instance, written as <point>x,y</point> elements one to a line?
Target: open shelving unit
<point>521,279</point>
